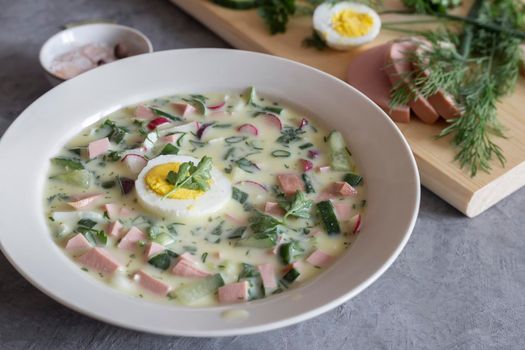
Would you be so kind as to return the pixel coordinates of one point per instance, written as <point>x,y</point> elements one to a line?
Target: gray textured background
<point>459,283</point>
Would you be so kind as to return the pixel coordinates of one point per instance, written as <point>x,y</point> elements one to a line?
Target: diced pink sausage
<point>183,109</point>
<point>115,211</point>
<point>130,240</point>
<point>343,210</point>
<point>233,292</point>
<point>77,243</point>
<point>367,74</point>
<point>320,258</point>
<point>273,208</point>
<point>186,268</point>
<point>267,275</point>
<point>143,112</point>
<point>151,284</point>
<point>235,220</point>
<point>98,147</point>
<point>153,249</point>
<point>290,183</point>
<point>114,229</point>
<point>398,69</point>
<point>112,210</point>
<point>84,201</point>
<point>99,260</point>
<point>343,188</point>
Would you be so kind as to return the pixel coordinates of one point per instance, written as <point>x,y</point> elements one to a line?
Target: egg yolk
<point>156,181</point>
<point>350,23</point>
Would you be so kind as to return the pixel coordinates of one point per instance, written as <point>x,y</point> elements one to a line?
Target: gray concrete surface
<point>459,283</point>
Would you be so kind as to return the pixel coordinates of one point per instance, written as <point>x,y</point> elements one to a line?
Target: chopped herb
<point>86,223</point>
<point>190,249</point>
<point>306,145</point>
<point>248,271</point>
<point>353,179</point>
<point>281,153</point>
<point>112,156</point>
<point>204,256</point>
<point>68,163</point>
<point>290,276</point>
<point>237,233</point>
<point>229,153</point>
<point>235,139</point>
<point>276,14</point>
<point>289,135</point>
<point>190,176</point>
<point>57,196</point>
<point>315,41</point>
<point>169,149</point>
<point>161,261</point>
<point>308,186</point>
<point>247,165</point>
<point>116,133</point>
<point>238,195</point>
<point>221,126</point>
<point>108,184</point>
<point>297,206</point>
<point>198,144</point>
<point>288,252</point>
<point>165,114</point>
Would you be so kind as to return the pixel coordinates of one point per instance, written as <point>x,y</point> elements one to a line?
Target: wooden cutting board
<point>439,173</point>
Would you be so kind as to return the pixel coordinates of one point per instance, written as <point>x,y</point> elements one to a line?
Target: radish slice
<point>217,106</point>
<point>305,164</point>
<point>135,162</point>
<point>152,125</point>
<point>249,129</point>
<point>303,123</point>
<point>273,120</point>
<point>201,128</point>
<point>312,154</point>
<point>355,223</point>
<point>254,183</point>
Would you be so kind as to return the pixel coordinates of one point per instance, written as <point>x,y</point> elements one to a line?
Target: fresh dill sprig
<point>478,67</point>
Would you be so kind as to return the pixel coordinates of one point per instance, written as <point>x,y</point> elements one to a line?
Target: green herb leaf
<point>190,176</point>
<point>276,14</point>
<point>68,163</point>
<point>298,206</point>
<point>165,114</point>
<point>169,149</point>
<point>161,261</point>
<point>238,195</point>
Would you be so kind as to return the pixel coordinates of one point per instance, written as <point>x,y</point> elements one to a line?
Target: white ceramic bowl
<point>110,34</point>
<point>42,129</point>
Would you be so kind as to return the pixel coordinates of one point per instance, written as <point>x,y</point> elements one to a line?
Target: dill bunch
<point>477,66</point>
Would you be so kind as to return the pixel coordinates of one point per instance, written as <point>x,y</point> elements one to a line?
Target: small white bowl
<point>104,33</point>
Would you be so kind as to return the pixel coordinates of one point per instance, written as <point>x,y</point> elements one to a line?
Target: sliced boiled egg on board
<point>346,24</point>
<point>155,193</point>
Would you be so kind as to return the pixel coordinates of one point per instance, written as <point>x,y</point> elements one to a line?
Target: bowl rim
<point>80,26</point>
<point>312,311</point>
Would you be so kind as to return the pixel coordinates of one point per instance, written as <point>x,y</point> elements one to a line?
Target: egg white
<point>211,201</point>
<point>322,21</point>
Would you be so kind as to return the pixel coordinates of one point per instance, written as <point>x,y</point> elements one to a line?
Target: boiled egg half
<point>344,25</point>
<point>158,196</point>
